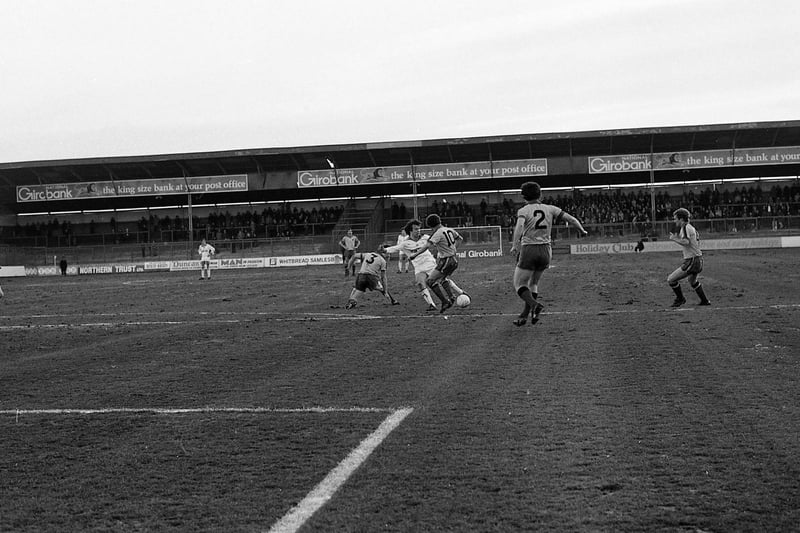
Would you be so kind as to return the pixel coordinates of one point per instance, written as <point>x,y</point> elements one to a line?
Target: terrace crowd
<point>592,208</point>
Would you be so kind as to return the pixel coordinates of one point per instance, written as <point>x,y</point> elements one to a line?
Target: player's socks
<point>426,294</point>
<point>446,284</point>
<point>437,290</point>
<point>527,296</point>
<point>701,293</point>
<point>538,308</point>
<point>679,299</point>
<point>456,289</point>
<point>536,311</point>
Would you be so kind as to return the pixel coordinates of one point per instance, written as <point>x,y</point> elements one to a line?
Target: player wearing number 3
<point>371,276</point>
<point>533,244</point>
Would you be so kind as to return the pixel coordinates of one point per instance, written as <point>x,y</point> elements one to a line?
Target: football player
<point>445,241</point>
<point>371,276</point>
<point>686,235</point>
<point>532,244</point>
<point>423,261</point>
<point>205,251</point>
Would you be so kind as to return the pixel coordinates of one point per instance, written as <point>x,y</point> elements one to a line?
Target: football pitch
<point>255,402</point>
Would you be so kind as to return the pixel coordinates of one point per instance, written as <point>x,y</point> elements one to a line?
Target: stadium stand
<point>605,213</point>
<point>300,200</point>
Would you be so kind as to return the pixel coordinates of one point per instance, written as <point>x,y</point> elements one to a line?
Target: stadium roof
<point>262,161</point>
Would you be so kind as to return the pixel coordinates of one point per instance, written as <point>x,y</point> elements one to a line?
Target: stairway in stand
<point>360,220</point>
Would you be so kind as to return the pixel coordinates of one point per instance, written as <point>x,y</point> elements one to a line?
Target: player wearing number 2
<point>533,244</point>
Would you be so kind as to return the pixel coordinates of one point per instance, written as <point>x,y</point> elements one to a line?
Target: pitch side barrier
<point>480,242</point>
<point>336,259</point>
<point>216,264</point>
<point>669,246</point>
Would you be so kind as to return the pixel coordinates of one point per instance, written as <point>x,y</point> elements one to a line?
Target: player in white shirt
<point>205,251</point>
<point>371,276</point>
<point>423,261</point>
<point>533,244</point>
<point>402,258</point>
<point>445,241</point>
<point>688,237</point>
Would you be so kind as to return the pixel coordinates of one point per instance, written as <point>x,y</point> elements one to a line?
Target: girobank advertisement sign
<point>143,187</point>
<point>444,171</point>
<point>608,164</point>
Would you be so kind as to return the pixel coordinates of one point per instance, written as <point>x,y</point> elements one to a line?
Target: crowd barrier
<point>669,246</point>
<point>336,259</point>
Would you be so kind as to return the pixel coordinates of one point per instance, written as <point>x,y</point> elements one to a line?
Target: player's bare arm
<point>516,242</point>
<point>574,222</point>
<point>422,249</point>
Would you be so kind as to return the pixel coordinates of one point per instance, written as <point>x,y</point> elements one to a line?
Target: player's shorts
<point>447,265</point>
<point>693,265</point>
<point>535,256</point>
<point>424,264</point>
<point>365,282</point>
<point>205,263</point>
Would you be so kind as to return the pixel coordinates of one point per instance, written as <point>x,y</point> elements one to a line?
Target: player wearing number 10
<point>445,241</point>
<point>532,243</point>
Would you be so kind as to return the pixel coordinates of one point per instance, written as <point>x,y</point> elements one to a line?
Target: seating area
<point>604,212</point>
<point>283,222</point>
<point>633,208</point>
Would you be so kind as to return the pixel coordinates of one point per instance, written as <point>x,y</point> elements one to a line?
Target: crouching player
<point>689,239</point>
<point>423,261</point>
<point>371,276</point>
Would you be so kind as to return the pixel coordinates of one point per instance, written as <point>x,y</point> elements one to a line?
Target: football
<point>463,300</point>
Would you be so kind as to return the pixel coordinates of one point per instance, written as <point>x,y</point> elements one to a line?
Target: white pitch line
<point>324,491</point>
<point>310,317</point>
<point>114,324</point>
<point>197,410</point>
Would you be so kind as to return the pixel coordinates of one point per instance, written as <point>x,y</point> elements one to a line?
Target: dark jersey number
<point>450,237</point>
<point>538,220</point>
<point>370,259</point>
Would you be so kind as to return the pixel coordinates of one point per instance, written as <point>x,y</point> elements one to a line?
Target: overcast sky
<point>87,78</point>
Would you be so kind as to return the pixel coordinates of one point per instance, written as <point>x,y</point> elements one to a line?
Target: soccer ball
<point>463,300</point>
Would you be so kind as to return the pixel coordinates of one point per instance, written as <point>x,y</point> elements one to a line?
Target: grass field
<point>158,402</point>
